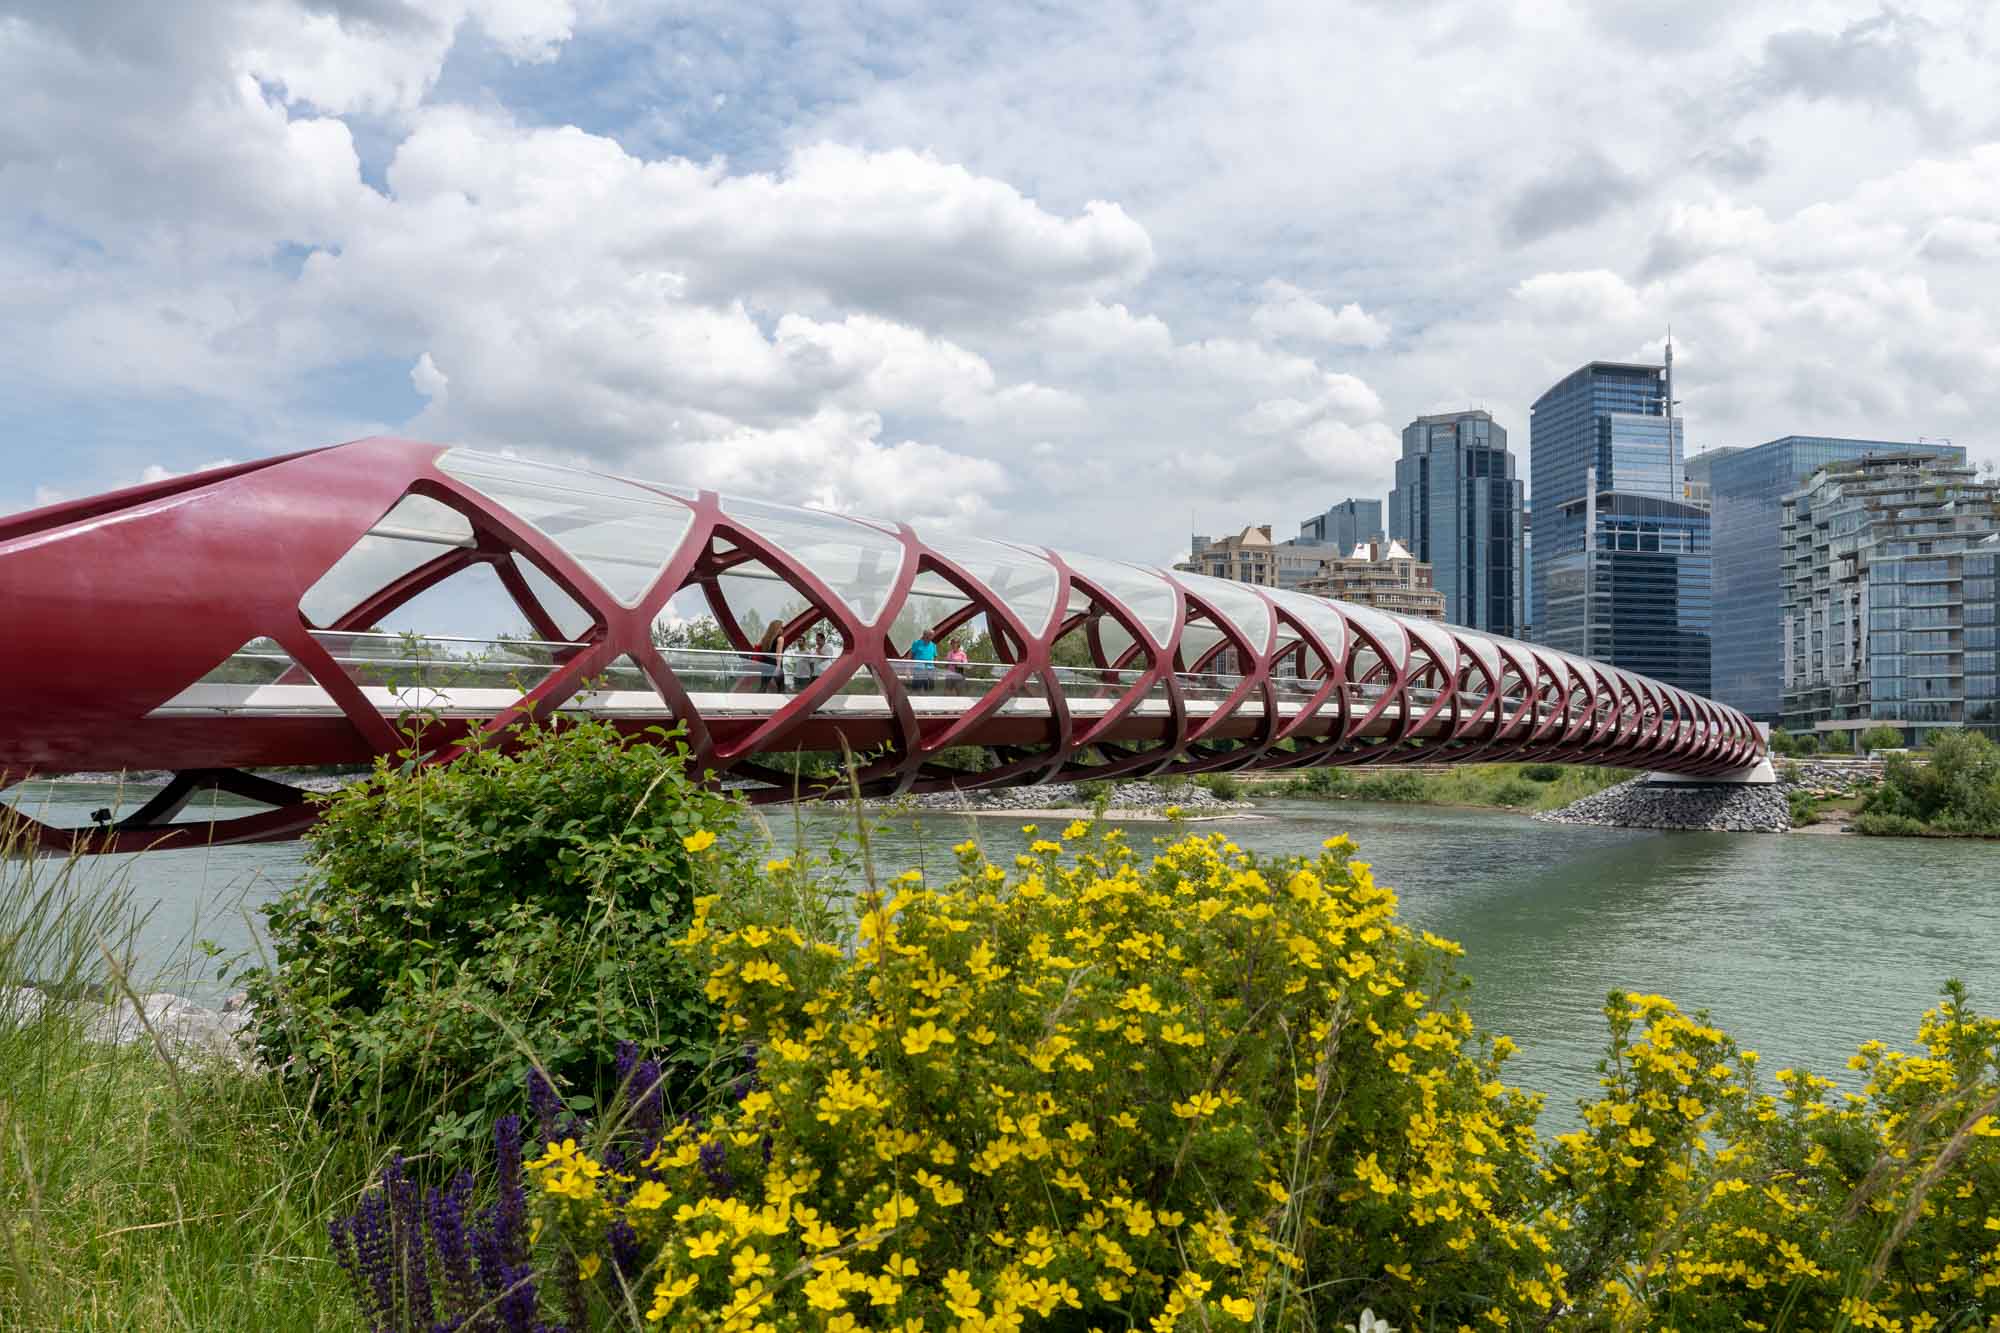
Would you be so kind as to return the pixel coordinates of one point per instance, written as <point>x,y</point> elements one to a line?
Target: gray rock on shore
<point>181,1027</point>
<point>1719,809</point>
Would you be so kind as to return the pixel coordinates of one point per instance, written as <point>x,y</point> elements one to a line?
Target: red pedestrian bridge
<point>312,610</point>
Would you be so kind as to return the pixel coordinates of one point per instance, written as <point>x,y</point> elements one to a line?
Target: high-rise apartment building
<point>1621,569</point>
<point>1251,556</point>
<point>1383,575</point>
<point>1457,507</point>
<point>1344,526</point>
<point>1747,487</point>
<point>1889,604</point>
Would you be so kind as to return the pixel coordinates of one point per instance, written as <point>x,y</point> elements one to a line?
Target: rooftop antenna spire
<point>1670,372</point>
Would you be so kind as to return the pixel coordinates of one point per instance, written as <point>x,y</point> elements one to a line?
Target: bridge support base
<point>1759,774</point>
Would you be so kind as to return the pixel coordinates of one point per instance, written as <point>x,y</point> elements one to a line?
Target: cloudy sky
<point>1079,274</point>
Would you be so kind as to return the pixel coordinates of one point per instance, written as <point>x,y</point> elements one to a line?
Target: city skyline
<point>799,255</point>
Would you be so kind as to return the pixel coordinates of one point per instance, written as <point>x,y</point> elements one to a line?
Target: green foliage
<point>1393,785</point>
<point>1541,772</point>
<point>1516,792</point>
<point>1881,738</point>
<point>1794,743</point>
<point>930,1137</point>
<point>1803,808</point>
<point>1225,786</point>
<point>457,917</point>
<point>1954,789</point>
<point>1318,782</point>
<point>703,632</point>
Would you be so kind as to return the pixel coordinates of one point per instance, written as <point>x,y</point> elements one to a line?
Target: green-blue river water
<point>1800,945</point>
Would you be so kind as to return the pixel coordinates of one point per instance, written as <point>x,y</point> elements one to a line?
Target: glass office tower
<point>1745,491</point>
<point>1349,524</point>
<point>1457,506</point>
<point>1621,567</point>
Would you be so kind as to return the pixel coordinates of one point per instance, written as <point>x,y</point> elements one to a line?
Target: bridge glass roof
<point>857,561</point>
<point>1023,580</point>
<point>622,534</point>
<point>416,531</point>
<point>1316,614</point>
<point>1238,603</point>
<point>1144,592</point>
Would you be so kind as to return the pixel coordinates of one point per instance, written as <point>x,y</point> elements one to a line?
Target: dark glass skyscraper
<point>1621,567</point>
<point>1746,488</point>
<point>1457,506</point>
<point>1346,525</point>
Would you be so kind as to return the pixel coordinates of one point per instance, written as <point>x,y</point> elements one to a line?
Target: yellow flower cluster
<point>1089,1092</point>
<point>1749,1209</point>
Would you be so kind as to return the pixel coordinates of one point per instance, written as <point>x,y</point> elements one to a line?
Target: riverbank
<point>1522,788</point>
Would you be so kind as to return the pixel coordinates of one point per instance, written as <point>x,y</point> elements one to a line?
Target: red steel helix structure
<point>291,612</point>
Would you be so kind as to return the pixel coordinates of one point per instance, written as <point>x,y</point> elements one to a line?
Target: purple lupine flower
<point>445,1210</point>
<point>340,1231</point>
<point>713,1165</point>
<point>650,1113</point>
<point>518,1306</point>
<point>492,1263</point>
<point>623,1242</point>
<point>407,1224</point>
<point>374,1254</point>
<point>510,1214</point>
<point>543,1103</point>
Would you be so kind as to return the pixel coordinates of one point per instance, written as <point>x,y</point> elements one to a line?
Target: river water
<point>1800,945</point>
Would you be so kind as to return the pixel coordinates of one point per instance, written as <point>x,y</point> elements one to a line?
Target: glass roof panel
<point>415,531</point>
<point>1436,638</point>
<point>1387,630</point>
<point>857,561</point>
<point>1023,580</point>
<point>1316,614</point>
<point>1248,612</point>
<point>571,619</point>
<point>622,534</point>
<point>1152,600</point>
<point>1111,636</point>
<point>1484,651</point>
<point>1197,639</point>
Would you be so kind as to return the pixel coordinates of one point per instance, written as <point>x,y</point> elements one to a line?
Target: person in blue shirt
<point>924,653</point>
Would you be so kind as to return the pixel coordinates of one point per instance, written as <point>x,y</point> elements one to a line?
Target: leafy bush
<point>1306,1123</point>
<point>1803,808</point>
<point>457,917</point>
<point>1300,1121</point>
<point>1888,826</point>
<point>1392,786</point>
<point>1224,786</point>
<point>1541,772</point>
<point>1957,790</point>
<point>1516,792</point>
<point>1319,781</point>
<point>1881,738</point>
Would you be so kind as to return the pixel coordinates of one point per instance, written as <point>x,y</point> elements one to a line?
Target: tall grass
<point>137,1192</point>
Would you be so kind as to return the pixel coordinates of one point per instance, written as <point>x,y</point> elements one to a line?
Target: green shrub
<point>1888,826</point>
<point>1881,738</point>
<point>1306,1123</point>
<point>1303,1123</point>
<point>1541,772</point>
<point>1223,786</point>
<point>1803,808</point>
<point>1319,781</point>
<point>456,917</point>
<point>1392,786</point>
<point>1516,792</point>
<point>1955,789</point>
